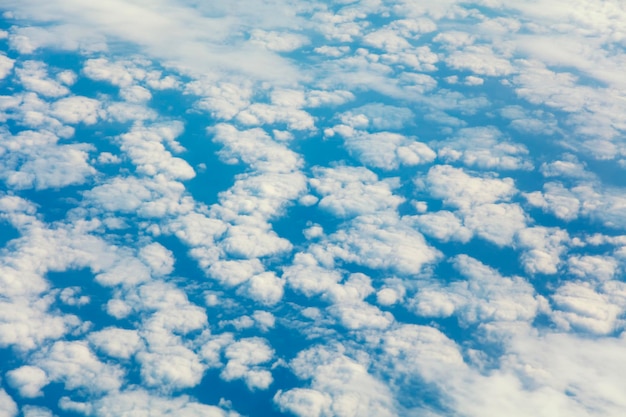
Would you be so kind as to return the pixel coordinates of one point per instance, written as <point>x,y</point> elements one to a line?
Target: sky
<point>312,208</point>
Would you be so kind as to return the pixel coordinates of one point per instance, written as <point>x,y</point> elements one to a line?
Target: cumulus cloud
<point>349,191</point>
<point>28,380</point>
<point>143,402</point>
<point>484,296</point>
<point>245,359</point>
<point>485,148</point>
<point>8,407</point>
<point>340,386</point>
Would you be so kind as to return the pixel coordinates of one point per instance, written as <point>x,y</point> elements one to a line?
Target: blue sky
<point>312,208</point>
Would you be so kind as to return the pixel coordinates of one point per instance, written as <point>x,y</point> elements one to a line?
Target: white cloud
<point>28,380</point>
<point>116,342</point>
<point>6,65</point>
<point>170,367</point>
<point>245,359</point>
<point>384,150</point>
<point>304,402</point>
<point>278,41</point>
<point>141,402</point>
<point>135,94</point>
<point>485,296</point>
<point>381,241</point>
<point>485,148</point>
<point>543,248</point>
<point>74,364</point>
<point>443,225</point>
<point>340,386</point>
<point>158,258</point>
<point>8,407</point>
<point>39,162</point>
<point>265,288</point>
<point>33,76</point>
<point>593,267</point>
<point>77,109</point>
<point>481,60</point>
<point>497,223</point>
<point>579,306</point>
<point>351,191</point>
<point>34,411</point>
<point>459,189</point>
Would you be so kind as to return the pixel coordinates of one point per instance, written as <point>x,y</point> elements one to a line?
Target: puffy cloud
<point>443,225</point>
<point>307,276</point>
<point>557,200</point>
<point>33,76</point>
<point>255,148</point>
<point>144,147</point>
<point>385,150</point>
<point>158,258</point>
<point>74,364</point>
<point>497,223</point>
<point>77,109</point>
<point>484,296</point>
<point>304,402</point>
<point>480,59</point>
<point>116,342</point>
<point>265,288</point>
<point>8,407</point>
<point>277,41</point>
<point>34,411</point>
<point>141,402</point>
<point>28,380</point>
<point>593,267</point>
<point>543,248</point>
<point>101,69</point>
<point>340,386</point>
<point>382,242</point>
<point>245,359</point>
<point>351,191</point>
<point>579,306</point>
<point>6,65</point>
<point>485,148</point>
<point>37,160</point>
<point>459,189</point>
<point>170,367</point>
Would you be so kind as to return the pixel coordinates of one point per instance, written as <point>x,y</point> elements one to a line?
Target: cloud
<point>245,359</point>
<point>381,241</point>
<point>116,342</point>
<point>579,306</point>
<point>28,380</point>
<point>38,161</point>
<point>33,76</point>
<point>384,150</point>
<point>484,296</point>
<point>443,225</point>
<point>74,364</point>
<point>481,60</point>
<point>340,386</point>
<point>34,411</point>
<point>8,408</point>
<point>77,109</point>
<point>278,41</point>
<point>71,28</point>
<point>139,401</point>
<point>6,65</point>
<point>543,248</point>
<point>350,191</point>
<point>484,148</point>
<point>460,189</point>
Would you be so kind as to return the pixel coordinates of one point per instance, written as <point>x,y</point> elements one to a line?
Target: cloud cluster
<point>392,163</point>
